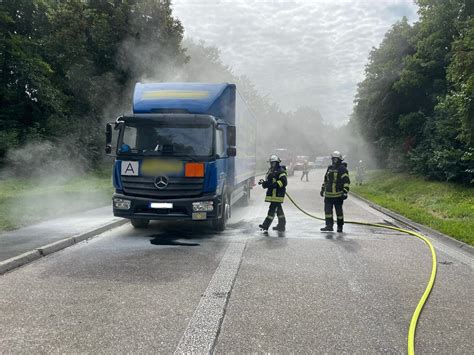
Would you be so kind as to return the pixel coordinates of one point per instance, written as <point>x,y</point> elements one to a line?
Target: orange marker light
<point>194,170</point>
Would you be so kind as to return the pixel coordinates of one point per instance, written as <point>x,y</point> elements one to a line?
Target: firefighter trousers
<point>275,207</point>
<point>328,207</point>
<point>305,173</point>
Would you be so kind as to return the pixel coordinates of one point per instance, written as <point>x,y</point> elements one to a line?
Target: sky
<point>299,53</point>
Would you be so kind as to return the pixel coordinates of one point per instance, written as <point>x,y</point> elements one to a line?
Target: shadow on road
<point>272,241</point>
<point>349,245</point>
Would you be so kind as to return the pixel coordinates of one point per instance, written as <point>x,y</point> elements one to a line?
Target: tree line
<point>68,66</point>
<point>415,106</point>
<point>65,64</point>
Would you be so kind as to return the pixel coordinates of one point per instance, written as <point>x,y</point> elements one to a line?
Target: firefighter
<point>305,170</point>
<point>334,190</point>
<point>360,169</point>
<point>275,182</point>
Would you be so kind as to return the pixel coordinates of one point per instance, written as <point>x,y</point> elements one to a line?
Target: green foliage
<point>68,66</point>
<point>28,96</point>
<point>461,74</point>
<point>415,105</point>
<point>446,207</point>
<point>378,104</point>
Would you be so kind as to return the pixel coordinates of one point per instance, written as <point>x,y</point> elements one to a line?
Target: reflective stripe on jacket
<point>277,181</point>
<point>336,181</point>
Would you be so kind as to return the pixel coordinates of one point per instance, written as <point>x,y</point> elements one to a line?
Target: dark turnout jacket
<point>275,183</point>
<point>336,181</point>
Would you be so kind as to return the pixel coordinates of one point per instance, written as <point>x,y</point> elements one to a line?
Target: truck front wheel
<point>140,223</point>
<point>220,223</point>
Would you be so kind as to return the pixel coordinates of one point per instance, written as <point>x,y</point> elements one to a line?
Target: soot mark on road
<point>169,240</point>
<point>183,234</point>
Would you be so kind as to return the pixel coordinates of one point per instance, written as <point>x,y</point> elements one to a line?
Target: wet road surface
<point>179,287</point>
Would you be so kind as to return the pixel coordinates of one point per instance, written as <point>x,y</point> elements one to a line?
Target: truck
<point>300,161</point>
<point>186,152</point>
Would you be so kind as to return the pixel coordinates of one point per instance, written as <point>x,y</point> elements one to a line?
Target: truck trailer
<point>187,152</point>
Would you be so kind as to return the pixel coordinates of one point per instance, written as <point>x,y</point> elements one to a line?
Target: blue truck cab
<point>187,152</point>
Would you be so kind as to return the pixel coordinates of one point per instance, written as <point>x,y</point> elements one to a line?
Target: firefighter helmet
<point>337,154</point>
<point>274,158</point>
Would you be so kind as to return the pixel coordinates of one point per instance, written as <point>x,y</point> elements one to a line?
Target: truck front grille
<point>178,187</point>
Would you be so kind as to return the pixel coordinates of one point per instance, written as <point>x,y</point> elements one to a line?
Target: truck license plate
<point>161,205</point>
<point>199,216</point>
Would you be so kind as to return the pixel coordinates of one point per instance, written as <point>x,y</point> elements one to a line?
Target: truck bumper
<point>182,208</point>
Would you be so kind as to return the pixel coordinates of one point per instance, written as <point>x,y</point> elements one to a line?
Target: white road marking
<point>201,334</point>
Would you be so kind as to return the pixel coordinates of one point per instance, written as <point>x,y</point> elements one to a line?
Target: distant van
<point>300,160</point>
<point>322,162</point>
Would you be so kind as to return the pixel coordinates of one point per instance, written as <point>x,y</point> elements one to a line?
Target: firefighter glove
<point>344,196</point>
<point>261,181</point>
<point>265,185</point>
<point>321,193</point>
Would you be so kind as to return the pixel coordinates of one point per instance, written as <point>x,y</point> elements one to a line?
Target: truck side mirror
<point>231,151</point>
<point>108,138</point>
<point>231,136</point>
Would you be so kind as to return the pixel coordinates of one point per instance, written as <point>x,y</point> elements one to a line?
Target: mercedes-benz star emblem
<point>161,182</point>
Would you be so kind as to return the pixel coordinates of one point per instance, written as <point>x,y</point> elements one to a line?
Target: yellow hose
<point>421,303</point>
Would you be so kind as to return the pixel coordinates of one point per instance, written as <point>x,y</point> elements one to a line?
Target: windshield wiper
<point>150,152</point>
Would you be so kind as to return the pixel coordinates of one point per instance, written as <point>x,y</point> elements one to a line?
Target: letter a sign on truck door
<point>130,168</point>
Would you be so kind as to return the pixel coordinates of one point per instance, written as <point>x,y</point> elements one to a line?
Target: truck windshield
<point>192,140</point>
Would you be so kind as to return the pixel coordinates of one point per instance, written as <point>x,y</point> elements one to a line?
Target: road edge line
<point>48,249</point>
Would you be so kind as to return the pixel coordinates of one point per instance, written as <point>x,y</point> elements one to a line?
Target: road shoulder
<point>457,249</point>
<point>39,251</point>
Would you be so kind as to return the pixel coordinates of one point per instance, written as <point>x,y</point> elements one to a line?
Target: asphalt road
<point>16,242</point>
<point>179,287</point>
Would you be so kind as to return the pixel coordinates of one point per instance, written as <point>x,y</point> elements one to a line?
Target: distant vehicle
<point>188,152</point>
<point>311,165</point>
<point>300,159</point>
<point>287,159</point>
<point>322,162</point>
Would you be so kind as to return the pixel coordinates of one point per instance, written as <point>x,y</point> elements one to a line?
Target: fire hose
<point>426,293</point>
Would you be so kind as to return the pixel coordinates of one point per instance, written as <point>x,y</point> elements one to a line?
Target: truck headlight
<point>122,204</point>
<point>203,206</point>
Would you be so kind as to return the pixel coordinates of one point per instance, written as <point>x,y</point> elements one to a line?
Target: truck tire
<point>140,223</point>
<point>219,224</point>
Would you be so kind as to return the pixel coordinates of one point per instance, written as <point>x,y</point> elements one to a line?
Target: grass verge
<point>26,201</point>
<point>446,207</point>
